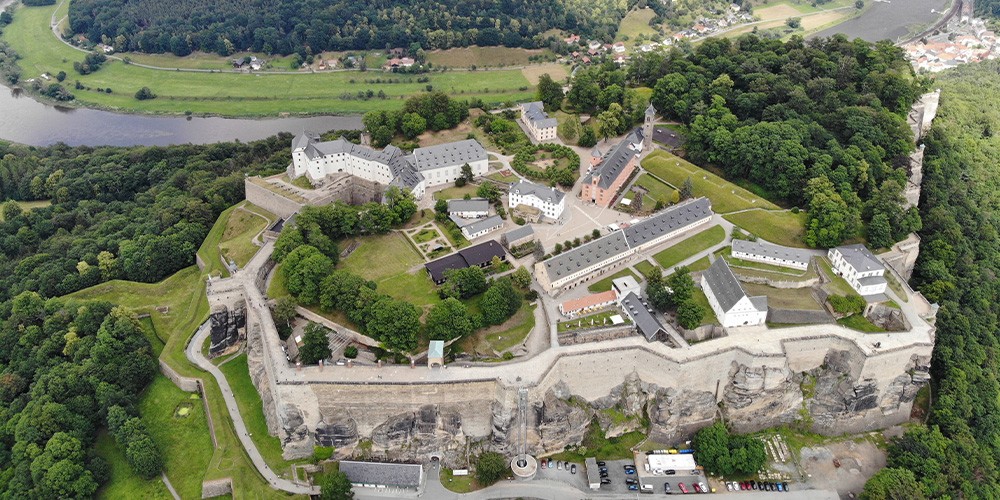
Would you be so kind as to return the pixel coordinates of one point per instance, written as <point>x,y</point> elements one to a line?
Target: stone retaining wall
<point>269,200</point>
<point>598,334</point>
<point>183,383</point>
<point>216,488</point>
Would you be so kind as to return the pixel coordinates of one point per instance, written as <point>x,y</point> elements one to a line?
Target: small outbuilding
<point>435,354</point>
<point>593,474</point>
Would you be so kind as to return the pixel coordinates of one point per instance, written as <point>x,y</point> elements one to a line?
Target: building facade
<point>550,202</point>
<point>424,168</point>
<point>476,208</point>
<point>859,268</point>
<point>537,121</point>
<point>766,253</point>
<point>606,179</point>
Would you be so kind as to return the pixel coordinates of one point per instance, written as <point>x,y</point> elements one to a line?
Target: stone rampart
<point>282,206</point>
<point>183,383</point>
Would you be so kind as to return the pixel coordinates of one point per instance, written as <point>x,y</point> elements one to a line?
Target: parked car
<point>704,488</point>
<point>605,480</point>
<point>779,487</point>
<point>559,465</point>
<point>745,485</point>
<point>753,485</point>
<point>670,472</point>
<point>697,489</point>
<point>681,487</point>
<point>600,463</point>
<point>785,486</point>
<point>602,469</point>
<point>566,465</point>
<point>666,488</point>
<point>633,487</point>
<point>631,481</point>
<point>544,464</point>
<point>604,474</point>
<point>572,469</point>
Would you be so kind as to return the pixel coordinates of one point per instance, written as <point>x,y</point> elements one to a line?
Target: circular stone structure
<point>524,468</point>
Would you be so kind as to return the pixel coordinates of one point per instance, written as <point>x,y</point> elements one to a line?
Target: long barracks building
<point>606,253</point>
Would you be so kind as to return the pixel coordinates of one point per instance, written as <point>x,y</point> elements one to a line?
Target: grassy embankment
<point>185,442</point>
<point>237,94</point>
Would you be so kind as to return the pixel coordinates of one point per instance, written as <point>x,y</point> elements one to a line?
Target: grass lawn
<point>635,23</point>
<point>27,206</point>
<point>646,268</point>
<point>426,235</point>
<point>701,299</point>
<point>594,319</point>
<point>277,288</point>
<point>657,190</point>
<point>692,245</point>
<point>458,484</point>
<point>239,94</point>
<point>209,250</point>
<point>454,192</point>
<point>499,177</point>
<point>838,285</point>
<point>457,240</point>
<point>395,257</point>
<point>605,284</point>
<point>124,483</point>
<point>184,440</point>
<point>785,298</point>
<point>780,227</point>
<point>860,323</point>
<point>499,338</point>
<point>726,196</point>
<point>251,408</point>
<point>699,265</point>
<point>482,57</point>
<point>242,228</point>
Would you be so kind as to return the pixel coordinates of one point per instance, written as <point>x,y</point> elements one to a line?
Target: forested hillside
<point>820,124</point>
<point>133,213</point>
<point>312,26</point>
<point>959,265</point>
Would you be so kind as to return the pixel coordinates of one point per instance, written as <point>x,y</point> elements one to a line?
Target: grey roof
<point>476,255</point>
<point>535,113</point>
<point>400,164</point>
<point>403,172</point>
<point>726,288</point>
<point>399,475</point>
<point>650,110</point>
<point>860,258</point>
<point>473,205</point>
<point>589,254</point>
<point>478,225</point>
<point>525,188</point>
<point>519,233</point>
<point>435,349</point>
<point>621,240</point>
<point>643,318</point>
<point>302,140</point>
<point>614,162</point>
<point>596,152</point>
<point>667,221</point>
<point>759,302</point>
<point>872,280</point>
<point>773,251</point>
<point>593,474</point>
<point>448,155</point>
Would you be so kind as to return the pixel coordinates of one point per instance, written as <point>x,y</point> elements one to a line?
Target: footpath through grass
<point>725,196</point>
<point>687,248</point>
<point>237,373</point>
<point>239,94</point>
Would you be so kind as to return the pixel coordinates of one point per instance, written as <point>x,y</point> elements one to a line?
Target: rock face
<point>561,421</point>
<point>760,397</point>
<point>674,414</point>
<point>415,436</point>
<point>226,327</point>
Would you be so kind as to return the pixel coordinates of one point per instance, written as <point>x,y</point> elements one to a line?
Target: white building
<point>859,268</point>
<point>474,228</point>
<point>757,251</point>
<point>731,304</point>
<point>476,208</point>
<point>425,168</point>
<point>550,201</point>
<point>537,121</point>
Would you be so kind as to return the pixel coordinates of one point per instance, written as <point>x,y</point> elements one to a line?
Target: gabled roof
<point>483,253</point>
<point>726,288</point>
<point>650,111</point>
<point>478,225</point>
<point>448,155</point>
<point>643,318</point>
<point>519,233</point>
<point>774,251</point>
<point>473,205</point>
<point>667,221</point>
<point>535,113</point>
<point>860,258</point>
<point>401,475</point>
<point>614,162</point>
<point>525,188</point>
<point>584,256</point>
<point>589,301</point>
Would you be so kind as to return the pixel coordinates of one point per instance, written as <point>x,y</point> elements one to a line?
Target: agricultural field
<point>781,227</point>
<point>683,250</point>
<point>635,23</point>
<point>27,206</point>
<point>532,73</point>
<point>725,196</point>
<point>237,94</point>
<point>485,57</point>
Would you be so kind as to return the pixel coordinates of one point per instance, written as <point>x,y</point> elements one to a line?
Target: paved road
<point>195,356</point>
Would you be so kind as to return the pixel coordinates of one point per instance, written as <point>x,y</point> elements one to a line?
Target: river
<point>891,19</point>
<point>27,121</point>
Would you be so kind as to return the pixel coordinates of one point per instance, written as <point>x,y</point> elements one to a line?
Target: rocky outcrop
<point>562,420</point>
<point>338,431</point>
<point>227,325</point>
<point>429,431</point>
<point>675,414</point>
<point>758,397</point>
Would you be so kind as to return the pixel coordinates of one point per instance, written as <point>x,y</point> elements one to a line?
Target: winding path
<point>194,355</point>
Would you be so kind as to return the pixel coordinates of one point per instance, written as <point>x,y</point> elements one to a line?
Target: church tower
<point>647,128</point>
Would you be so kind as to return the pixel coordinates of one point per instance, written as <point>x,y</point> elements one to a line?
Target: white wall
<point>766,259</point>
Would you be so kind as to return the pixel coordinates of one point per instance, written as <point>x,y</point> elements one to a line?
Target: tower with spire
<point>647,128</point>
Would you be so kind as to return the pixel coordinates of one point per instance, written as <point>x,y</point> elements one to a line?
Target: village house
<point>549,201</point>
<point>731,304</point>
<point>861,269</point>
<point>537,121</point>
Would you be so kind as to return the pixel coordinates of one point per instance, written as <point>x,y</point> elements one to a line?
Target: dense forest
<point>312,26</point>
<point>956,456</point>
<point>66,370</point>
<point>131,213</point>
<point>820,124</point>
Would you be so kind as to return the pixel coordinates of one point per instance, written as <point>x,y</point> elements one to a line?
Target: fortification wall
<point>275,203</point>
